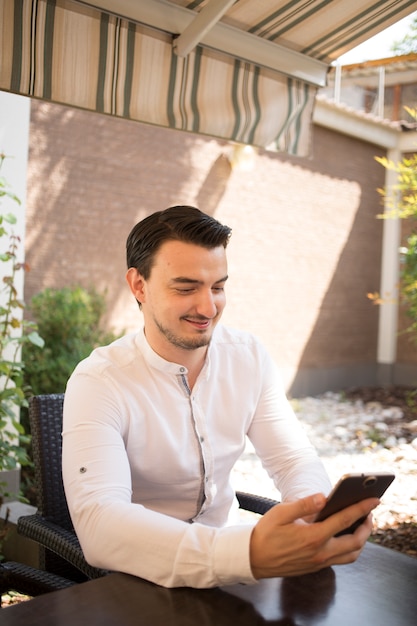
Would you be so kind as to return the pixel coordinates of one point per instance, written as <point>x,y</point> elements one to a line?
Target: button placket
<point>200,424</point>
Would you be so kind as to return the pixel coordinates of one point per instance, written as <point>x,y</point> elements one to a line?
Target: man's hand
<point>282,544</point>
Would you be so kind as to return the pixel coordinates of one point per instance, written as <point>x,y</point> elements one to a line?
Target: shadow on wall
<point>215,184</point>
<point>342,347</point>
<point>90,179</point>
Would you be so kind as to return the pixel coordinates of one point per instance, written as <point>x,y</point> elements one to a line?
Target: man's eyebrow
<point>194,281</point>
<point>222,280</point>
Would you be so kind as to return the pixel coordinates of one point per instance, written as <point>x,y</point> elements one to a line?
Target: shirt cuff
<point>232,555</point>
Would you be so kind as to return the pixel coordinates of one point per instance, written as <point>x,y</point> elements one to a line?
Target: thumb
<point>288,512</point>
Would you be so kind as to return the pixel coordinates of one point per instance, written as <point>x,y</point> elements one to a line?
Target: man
<point>154,423</point>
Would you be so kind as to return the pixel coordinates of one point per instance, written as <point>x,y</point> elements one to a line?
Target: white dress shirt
<point>147,462</point>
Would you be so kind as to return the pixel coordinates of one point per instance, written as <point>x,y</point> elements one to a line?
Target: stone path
<point>352,437</point>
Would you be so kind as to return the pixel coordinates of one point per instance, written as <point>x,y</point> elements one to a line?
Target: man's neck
<point>194,368</point>
<point>193,360</point>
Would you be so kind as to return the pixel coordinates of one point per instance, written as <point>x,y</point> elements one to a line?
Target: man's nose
<point>206,305</point>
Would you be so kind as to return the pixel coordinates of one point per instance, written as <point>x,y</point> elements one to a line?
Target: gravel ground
<point>358,431</point>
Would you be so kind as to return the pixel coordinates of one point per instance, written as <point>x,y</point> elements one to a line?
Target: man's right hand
<point>282,544</point>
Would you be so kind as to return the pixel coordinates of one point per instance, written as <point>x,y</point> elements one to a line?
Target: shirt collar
<point>161,364</point>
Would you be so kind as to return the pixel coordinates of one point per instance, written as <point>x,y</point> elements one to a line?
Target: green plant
<point>15,332</point>
<point>411,400</point>
<point>401,203</point>
<point>408,43</point>
<point>69,321</point>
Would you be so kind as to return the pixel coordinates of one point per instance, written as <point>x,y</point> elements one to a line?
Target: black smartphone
<point>353,488</point>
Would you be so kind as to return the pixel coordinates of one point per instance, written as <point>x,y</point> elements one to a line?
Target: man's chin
<point>194,344</point>
<point>189,339</point>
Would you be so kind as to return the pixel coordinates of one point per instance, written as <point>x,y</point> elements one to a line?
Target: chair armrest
<point>28,580</point>
<point>62,542</point>
<point>256,504</point>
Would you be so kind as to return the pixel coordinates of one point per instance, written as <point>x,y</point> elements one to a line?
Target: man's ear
<point>136,283</point>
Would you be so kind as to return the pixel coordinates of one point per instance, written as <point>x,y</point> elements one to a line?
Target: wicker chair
<point>29,580</point>
<point>51,526</point>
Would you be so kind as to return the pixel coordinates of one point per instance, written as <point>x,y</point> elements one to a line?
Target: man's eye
<point>218,289</point>
<point>186,290</point>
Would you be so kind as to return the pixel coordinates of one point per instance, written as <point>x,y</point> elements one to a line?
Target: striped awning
<point>245,71</point>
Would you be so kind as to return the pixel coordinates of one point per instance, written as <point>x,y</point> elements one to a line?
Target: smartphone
<point>353,488</point>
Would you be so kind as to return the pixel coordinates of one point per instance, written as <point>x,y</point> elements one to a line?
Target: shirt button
<point>202,439</point>
<point>182,370</point>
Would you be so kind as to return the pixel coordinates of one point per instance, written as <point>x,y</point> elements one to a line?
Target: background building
<point>306,247</point>
<point>133,113</point>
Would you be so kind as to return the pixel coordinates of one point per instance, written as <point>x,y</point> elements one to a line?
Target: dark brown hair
<point>180,223</point>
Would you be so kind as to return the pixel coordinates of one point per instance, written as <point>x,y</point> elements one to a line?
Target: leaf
<point>10,218</point>
<point>35,339</point>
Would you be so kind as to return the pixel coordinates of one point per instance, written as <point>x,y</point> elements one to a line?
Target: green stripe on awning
<point>359,26</point>
<point>236,69</point>
<point>48,49</point>
<point>257,107</point>
<point>17,47</point>
<point>171,90</point>
<point>340,26</point>
<point>130,55</point>
<point>104,26</point>
<point>80,56</point>
<point>291,14</point>
<point>297,107</point>
<point>194,90</point>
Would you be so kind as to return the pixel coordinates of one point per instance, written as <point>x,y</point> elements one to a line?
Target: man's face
<point>183,298</point>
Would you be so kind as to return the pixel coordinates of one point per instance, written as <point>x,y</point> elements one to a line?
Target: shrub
<point>68,320</point>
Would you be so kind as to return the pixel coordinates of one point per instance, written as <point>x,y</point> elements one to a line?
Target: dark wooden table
<point>380,589</point>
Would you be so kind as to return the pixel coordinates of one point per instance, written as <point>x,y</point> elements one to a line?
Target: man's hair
<point>178,223</point>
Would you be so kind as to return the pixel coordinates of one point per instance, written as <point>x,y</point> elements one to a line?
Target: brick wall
<point>305,250</point>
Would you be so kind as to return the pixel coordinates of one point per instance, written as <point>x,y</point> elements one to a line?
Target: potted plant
<point>14,332</point>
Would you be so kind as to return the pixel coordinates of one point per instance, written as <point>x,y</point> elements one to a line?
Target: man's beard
<point>181,342</point>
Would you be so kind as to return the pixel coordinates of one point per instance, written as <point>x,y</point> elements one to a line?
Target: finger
<point>346,548</point>
<point>344,519</point>
<point>289,512</point>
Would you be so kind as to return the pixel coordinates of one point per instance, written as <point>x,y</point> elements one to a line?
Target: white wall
<point>14,143</point>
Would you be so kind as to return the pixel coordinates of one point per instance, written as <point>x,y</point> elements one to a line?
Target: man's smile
<point>201,324</point>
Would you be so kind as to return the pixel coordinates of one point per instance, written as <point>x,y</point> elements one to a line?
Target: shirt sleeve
<point>119,535</point>
<point>281,442</point>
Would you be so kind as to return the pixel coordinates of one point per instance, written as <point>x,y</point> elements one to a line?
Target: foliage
<point>409,281</point>
<point>69,321</point>
<point>408,43</point>
<point>15,333</point>
<point>402,203</point>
